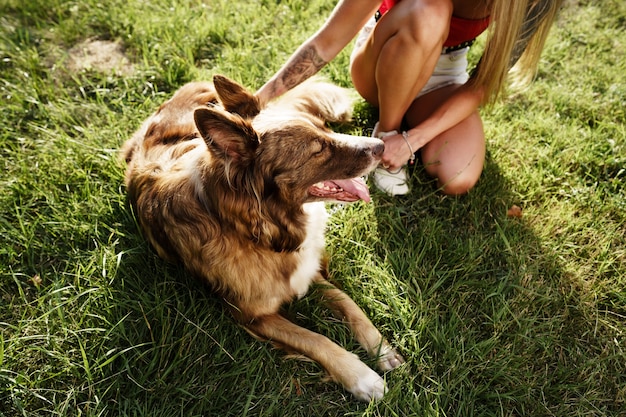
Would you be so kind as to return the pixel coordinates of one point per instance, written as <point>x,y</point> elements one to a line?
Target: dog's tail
<point>319,97</point>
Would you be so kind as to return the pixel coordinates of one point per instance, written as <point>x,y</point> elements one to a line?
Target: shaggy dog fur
<point>237,194</point>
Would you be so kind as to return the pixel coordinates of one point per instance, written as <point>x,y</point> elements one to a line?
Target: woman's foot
<point>392,183</point>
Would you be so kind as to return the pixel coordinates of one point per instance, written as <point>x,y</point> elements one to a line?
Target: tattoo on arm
<point>304,64</point>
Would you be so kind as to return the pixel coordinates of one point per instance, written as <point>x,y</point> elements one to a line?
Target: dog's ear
<point>235,98</point>
<point>227,135</point>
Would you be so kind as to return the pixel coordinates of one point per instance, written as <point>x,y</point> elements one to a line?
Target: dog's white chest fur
<point>310,253</point>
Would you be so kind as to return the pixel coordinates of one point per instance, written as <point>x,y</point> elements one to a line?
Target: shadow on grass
<point>499,324</point>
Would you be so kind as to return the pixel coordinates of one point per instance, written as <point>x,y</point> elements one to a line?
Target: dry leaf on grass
<point>514,211</point>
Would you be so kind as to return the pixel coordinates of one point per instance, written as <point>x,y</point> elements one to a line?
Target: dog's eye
<point>318,147</point>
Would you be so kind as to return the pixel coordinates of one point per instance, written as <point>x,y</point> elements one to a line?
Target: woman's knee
<point>408,28</point>
<point>456,174</point>
<point>459,184</point>
<point>424,23</point>
<point>457,158</point>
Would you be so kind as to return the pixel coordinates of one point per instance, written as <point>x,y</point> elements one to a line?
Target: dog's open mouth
<point>342,190</point>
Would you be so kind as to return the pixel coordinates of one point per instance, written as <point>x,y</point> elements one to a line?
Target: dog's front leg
<point>345,309</point>
<point>344,367</point>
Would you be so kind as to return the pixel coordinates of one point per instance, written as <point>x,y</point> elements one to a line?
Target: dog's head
<point>282,153</point>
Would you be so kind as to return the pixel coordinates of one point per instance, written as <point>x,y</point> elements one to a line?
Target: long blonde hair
<point>506,30</point>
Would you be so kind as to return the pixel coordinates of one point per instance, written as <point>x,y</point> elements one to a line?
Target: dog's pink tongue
<point>355,187</point>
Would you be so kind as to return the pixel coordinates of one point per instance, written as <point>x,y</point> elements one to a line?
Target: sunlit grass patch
<point>495,315</point>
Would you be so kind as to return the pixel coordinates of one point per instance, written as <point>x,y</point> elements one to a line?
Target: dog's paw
<point>388,358</point>
<point>368,385</point>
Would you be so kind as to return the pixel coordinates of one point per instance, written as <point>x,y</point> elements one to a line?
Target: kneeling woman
<point>410,61</point>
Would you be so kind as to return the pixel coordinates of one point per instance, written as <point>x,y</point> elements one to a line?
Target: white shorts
<point>451,68</point>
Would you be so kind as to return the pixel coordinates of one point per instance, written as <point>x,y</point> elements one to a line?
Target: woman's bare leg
<point>399,57</point>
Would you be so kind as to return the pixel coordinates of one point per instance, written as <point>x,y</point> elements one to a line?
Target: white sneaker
<point>378,134</point>
<point>392,183</point>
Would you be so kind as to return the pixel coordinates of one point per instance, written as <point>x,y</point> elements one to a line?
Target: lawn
<point>496,315</point>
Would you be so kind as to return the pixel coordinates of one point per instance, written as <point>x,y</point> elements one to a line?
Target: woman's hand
<point>399,149</point>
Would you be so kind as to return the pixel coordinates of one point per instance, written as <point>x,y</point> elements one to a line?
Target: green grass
<point>496,316</point>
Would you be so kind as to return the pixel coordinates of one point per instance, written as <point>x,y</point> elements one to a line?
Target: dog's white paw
<point>389,358</point>
<point>368,385</point>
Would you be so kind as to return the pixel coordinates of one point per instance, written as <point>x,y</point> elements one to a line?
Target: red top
<point>461,30</point>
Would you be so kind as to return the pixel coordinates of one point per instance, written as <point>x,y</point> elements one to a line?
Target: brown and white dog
<point>237,194</point>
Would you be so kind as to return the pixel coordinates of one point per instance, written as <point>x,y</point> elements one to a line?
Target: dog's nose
<point>378,149</point>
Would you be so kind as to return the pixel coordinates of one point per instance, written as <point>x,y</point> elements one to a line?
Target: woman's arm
<point>304,63</point>
<point>464,101</point>
<point>348,17</point>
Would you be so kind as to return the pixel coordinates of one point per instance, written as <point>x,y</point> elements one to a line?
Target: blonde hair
<point>506,33</point>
